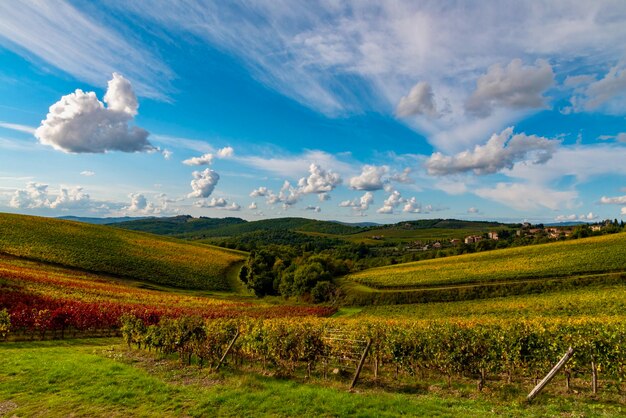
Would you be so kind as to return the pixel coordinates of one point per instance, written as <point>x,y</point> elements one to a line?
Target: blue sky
<point>354,111</point>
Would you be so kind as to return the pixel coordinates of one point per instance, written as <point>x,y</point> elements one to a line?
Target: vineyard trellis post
<point>551,374</point>
<point>360,366</point>
<point>227,350</point>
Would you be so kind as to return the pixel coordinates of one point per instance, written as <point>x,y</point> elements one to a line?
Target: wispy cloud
<point>351,56</point>
<point>17,127</point>
<point>78,44</point>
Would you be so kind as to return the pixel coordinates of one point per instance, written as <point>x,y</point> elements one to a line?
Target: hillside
<point>493,273</point>
<point>178,225</point>
<point>101,221</point>
<point>198,228</point>
<point>104,249</point>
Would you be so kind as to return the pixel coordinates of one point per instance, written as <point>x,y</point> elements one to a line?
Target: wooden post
<point>549,376</point>
<point>376,367</point>
<point>360,366</point>
<point>594,378</point>
<point>227,350</point>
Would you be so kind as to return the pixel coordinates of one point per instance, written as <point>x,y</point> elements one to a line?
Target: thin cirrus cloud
<point>17,127</point>
<point>416,57</point>
<point>525,196</point>
<point>78,44</point>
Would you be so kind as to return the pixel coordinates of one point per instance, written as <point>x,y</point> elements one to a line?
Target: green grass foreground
<point>97,378</point>
<point>114,251</point>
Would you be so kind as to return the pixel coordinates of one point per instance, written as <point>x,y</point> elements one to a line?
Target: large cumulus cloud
<point>501,151</point>
<point>80,123</point>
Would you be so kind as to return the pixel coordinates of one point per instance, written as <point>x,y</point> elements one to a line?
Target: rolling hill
<point>104,249</point>
<point>199,228</point>
<point>496,272</point>
<point>206,228</point>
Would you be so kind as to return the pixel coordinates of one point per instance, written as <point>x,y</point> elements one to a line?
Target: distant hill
<point>445,224</point>
<point>109,250</point>
<point>100,221</point>
<point>199,228</point>
<point>178,225</point>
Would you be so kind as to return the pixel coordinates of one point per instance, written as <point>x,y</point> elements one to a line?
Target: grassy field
<point>98,378</point>
<point>584,256</point>
<point>104,249</point>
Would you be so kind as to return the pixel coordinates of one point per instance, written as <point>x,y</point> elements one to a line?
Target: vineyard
<point>562,259</point>
<point>102,249</point>
<point>503,350</point>
<point>51,301</point>
<point>605,300</point>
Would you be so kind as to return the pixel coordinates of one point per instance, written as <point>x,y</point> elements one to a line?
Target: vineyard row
<point>524,349</point>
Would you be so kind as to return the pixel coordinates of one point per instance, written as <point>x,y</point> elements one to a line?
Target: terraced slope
<point>104,249</point>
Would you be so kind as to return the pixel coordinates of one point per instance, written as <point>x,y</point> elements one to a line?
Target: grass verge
<point>98,378</point>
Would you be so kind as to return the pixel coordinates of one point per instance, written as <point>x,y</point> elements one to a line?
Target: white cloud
<point>226,152</point>
<point>528,196</point>
<point>501,151</point>
<point>569,218</point>
<point>318,181</point>
<point>71,199</point>
<point>371,178</point>
<point>473,210</point>
<point>412,206</point>
<point>203,183</point>
<point>288,195</point>
<point>218,203</point>
<point>515,86</point>
<point>618,200</point>
<point>360,205</point>
<point>589,216</point>
<point>393,201</point>
<point>623,211</point>
<point>419,101</point>
<point>205,159</point>
<point>602,93</point>
<point>315,209</point>
<point>139,204</point>
<point>252,206</point>
<point>120,96</point>
<point>80,123</point>
<point>322,197</point>
<point>620,137</point>
<point>167,154</point>
<point>36,196</point>
<point>260,192</point>
<point>402,177</point>
<point>87,173</point>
